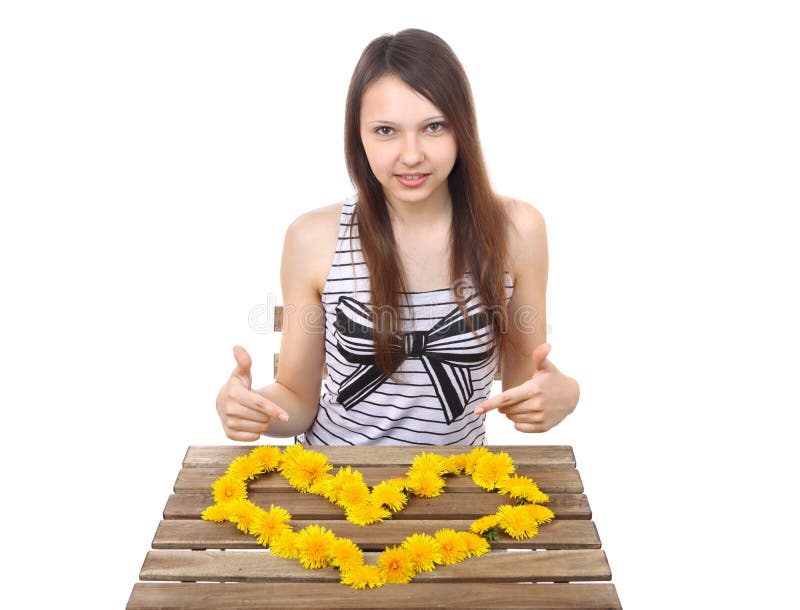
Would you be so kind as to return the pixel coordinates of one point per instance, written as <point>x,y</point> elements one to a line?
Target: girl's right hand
<point>245,414</point>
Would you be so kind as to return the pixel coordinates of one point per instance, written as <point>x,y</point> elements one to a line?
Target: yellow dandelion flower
<point>304,469</point>
<point>491,469</point>
<point>515,487</point>
<point>457,463</point>
<point>536,496</point>
<point>331,488</point>
<point>400,482</point>
<point>321,485</point>
<point>290,454</point>
<point>245,467</point>
<point>271,523</point>
<point>426,484</point>
<point>315,544</point>
<point>228,488</point>
<point>389,494</point>
<point>516,521</point>
<point>268,457</point>
<point>366,513</point>
<point>484,524</point>
<point>353,493</point>
<point>216,512</point>
<point>284,545</point>
<point>540,514</point>
<point>314,464</point>
<point>396,565</point>
<point>423,550</point>
<point>328,487</point>
<point>472,457</point>
<point>360,577</point>
<point>522,487</point>
<point>345,554</point>
<point>244,514</point>
<point>475,545</point>
<point>348,475</point>
<point>427,462</point>
<point>452,547</point>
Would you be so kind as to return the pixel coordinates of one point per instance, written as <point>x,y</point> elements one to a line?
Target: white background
<point>153,153</point>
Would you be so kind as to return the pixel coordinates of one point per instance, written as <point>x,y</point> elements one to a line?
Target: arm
<point>536,395</point>
<point>288,406</point>
<point>297,384</point>
<point>527,315</point>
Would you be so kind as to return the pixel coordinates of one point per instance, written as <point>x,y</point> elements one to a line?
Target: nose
<point>411,152</point>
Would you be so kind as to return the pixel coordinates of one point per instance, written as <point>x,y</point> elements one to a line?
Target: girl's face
<point>409,144</point>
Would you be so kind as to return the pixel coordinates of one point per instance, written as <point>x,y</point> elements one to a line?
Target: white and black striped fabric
<point>446,371</point>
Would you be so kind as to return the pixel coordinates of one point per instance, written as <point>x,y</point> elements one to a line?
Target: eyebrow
<point>438,117</point>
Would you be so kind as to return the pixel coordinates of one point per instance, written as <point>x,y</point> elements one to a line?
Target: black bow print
<point>447,351</point>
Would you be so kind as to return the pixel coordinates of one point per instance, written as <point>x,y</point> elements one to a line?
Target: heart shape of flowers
<point>317,547</point>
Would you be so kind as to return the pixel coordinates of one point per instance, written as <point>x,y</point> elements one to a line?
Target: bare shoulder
<point>527,236</point>
<point>318,223</point>
<point>526,219</point>
<point>310,243</point>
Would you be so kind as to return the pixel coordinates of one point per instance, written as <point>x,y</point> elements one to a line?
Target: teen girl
<point>412,290</point>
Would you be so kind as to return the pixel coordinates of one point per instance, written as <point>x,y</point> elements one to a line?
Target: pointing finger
<point>504,399</point>
<point>521,408</point>
<point>269,407</point>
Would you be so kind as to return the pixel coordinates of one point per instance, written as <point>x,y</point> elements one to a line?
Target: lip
<point>412,183</point>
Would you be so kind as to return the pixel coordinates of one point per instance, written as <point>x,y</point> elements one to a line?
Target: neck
<point>430,213</point>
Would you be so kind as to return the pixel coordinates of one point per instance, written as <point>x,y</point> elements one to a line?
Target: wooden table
<point>555,569</point>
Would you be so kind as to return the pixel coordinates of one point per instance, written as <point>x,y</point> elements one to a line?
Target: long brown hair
<point>479,222</point>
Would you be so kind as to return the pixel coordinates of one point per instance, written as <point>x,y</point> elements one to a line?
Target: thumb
<point>540,357</point>
<point>243,364</point>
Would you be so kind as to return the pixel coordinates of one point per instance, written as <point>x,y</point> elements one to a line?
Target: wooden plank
<point>523,455</point>
<point>550,479</point>
<point>497,566</point>
<point>446,506</point>
<point>196,534</point>
<point>255,596</point>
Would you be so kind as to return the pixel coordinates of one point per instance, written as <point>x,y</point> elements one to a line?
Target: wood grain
<point>523,455</point>
<point>550,479</point>
<point>446,506</point>
<point>257,596</point>
<point>496,566</point>
<point>219,566</point>
<point>192,534</point>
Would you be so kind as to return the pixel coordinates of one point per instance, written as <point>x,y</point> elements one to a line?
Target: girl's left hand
<point>541,402</point>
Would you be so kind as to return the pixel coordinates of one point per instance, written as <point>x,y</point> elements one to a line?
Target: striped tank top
<point>446,372</point>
